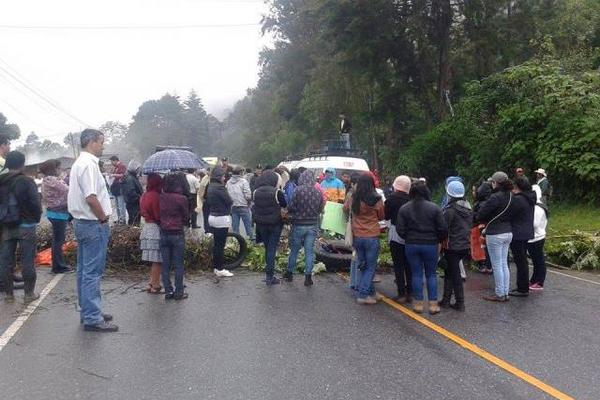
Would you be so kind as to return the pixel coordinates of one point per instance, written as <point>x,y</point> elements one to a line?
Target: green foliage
<point>170,121</point>
<point>578,250</point>
<point>11,130</point>
<point>255,261</point>
<point>538,114</point>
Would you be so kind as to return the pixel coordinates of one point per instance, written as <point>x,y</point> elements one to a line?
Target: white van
<point>318,164</point>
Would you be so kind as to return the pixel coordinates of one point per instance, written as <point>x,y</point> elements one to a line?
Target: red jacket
<point>174,212</point>
<point>150,201</point>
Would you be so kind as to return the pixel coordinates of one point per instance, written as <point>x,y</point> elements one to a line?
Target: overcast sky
<point>105,74</point>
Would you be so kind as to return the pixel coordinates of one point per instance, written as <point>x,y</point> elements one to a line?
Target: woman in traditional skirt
<point>150,236</point>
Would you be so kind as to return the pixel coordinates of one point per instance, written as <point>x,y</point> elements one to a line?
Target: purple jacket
<point>174,212</point>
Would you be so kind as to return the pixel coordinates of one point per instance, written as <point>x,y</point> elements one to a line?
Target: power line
<point>34,122</point>
<point>125,27</point>
<point>34,100</point>
<point>38,93</point>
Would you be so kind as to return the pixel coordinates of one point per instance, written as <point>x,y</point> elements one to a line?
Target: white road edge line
<point>21,319</point>
<point>573,277</point>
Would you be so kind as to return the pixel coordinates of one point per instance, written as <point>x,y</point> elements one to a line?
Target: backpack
<point>10,214</point>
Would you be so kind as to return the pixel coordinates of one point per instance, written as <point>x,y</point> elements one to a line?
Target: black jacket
<point>421,222</point>
<point>524,210</point>
<point>392,205</point>
<point>492,208</point>
<point>459,217</point>
<point>131,188</point>
<point>268,200</point>
<point>26,193</point>
<point>218,200</point>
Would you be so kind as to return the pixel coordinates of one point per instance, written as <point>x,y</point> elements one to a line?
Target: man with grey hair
<point>89,204</point>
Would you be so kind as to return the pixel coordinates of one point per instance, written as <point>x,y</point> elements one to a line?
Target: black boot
<point>445,302</point>
<point>308,280</point>
<point>458,306</point>
<point>288,276</point>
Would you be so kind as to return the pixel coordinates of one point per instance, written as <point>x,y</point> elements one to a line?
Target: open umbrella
<point>169,160</point>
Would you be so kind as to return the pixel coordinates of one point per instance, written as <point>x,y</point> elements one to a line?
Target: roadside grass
<point>568,218</point>
<point>573,236</point>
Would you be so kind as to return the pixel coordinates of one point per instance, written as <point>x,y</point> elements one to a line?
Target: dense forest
<point>432,87</point>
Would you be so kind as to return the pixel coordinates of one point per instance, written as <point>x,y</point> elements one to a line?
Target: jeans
<point>519,252</point>
<point>220,238</point>
<point>92,242</point>
<point>172,246</point>
<point>270,235</point>
<point>536,251</point>
<point>423,257</point>
<point>355,273</point>
<point>497,246</point>
<point>59,228</point>
<point>453,282</point>
<point>244,214</point>
<point>121,207</point>
<point>367,253</point>
<point>401,269</point>
<point>25,237</point>
<point>302,235</point>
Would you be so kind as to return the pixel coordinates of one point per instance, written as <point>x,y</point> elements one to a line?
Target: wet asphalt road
<point>237,339</point>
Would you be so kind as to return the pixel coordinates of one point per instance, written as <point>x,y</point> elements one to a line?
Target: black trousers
<point>220,238</point>
<point>401,269</point>
<point>133,210</point>
<point>536,251</point>
<point>453,282</point>
<point>205,214</point>
<point>519,252</point>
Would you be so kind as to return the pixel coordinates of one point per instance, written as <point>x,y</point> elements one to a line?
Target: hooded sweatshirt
<point>459,218</point>
<point>268,200</point>
<point>26,194</point>
<point>334,189</point>
<point>524,211</point>
<point>392,205</point>
<point>365,224</point>
<point>150,201</point>
<point>307,202</point>
<point>239,191</point>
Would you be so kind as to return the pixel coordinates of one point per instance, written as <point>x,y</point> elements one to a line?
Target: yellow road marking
<point>557,394</point>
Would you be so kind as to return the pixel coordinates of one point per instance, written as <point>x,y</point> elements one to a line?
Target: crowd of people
<point>506,214</point>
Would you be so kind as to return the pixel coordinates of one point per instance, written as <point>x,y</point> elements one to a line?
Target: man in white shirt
<point>193,183</point>
<point>89,204</point>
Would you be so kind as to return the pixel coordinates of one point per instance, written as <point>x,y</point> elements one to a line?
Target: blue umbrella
<point>169,160</point>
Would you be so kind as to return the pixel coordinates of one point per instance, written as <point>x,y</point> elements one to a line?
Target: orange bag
<point>44,257</point>
<point>477,250</point>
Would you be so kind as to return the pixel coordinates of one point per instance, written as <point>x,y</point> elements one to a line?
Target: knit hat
<point>217,174</point>
<point>134,166</point>
<point>402,184</point>
<point>499,177</point>
<point>455,189</point>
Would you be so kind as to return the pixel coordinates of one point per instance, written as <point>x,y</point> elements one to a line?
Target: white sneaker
<point>226,273</point>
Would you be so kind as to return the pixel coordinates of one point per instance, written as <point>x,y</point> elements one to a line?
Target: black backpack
<point>10,214</point>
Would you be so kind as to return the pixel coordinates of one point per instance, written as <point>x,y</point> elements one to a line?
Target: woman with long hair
<point>150,236</point>
<point>366,208</point>
<point>497,215</point>
<point>54,196</point>
<point>421,224</point>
